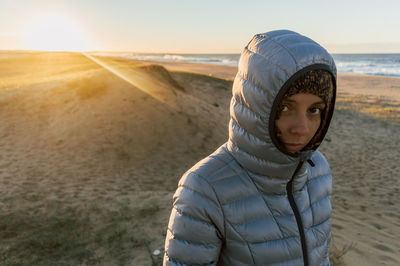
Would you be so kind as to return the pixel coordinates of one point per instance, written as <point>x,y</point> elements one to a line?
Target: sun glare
<point>55,33</point>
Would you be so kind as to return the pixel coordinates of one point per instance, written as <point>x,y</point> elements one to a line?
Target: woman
<point>263,198</point>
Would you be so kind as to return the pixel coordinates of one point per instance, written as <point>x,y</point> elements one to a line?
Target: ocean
<point>368,64</point>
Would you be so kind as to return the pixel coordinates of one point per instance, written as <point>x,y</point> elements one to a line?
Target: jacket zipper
<point>289,190</point>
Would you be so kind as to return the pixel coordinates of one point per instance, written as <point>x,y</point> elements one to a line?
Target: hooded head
<point>275,66</point>
<point>300,113</point>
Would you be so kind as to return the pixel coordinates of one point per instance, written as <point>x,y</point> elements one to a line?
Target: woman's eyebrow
<point>288,100</point>
<point>293,101</point>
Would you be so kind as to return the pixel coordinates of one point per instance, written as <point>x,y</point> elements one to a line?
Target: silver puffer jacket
<point>251,202</point>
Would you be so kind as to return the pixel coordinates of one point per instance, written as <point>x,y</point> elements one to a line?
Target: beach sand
<point>91,153</point>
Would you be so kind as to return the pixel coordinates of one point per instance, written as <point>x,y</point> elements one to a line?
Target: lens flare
<point>55,33</point>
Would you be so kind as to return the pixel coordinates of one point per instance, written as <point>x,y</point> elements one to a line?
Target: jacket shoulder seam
<point>198,192</point>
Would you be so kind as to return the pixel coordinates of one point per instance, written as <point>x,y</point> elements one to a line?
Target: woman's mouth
<point>293,146</point>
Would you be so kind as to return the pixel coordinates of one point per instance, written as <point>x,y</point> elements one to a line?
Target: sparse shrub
<point>336,255</point>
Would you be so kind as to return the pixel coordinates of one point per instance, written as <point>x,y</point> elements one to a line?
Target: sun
<point>55,33</point>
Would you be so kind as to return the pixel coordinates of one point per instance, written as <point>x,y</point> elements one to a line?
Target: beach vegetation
<point>380,107</point>
<point>217,83</point>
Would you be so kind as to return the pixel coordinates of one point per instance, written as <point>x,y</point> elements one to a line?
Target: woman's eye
<point>315,110</point>
<point>284,108</point>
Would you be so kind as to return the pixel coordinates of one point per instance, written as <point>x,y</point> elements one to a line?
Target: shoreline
<point>359,84</point>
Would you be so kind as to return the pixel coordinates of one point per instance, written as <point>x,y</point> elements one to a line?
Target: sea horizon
<point>378,64</point>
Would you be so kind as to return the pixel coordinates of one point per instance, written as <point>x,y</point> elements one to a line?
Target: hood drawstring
<point>305,156</point>
<point>311,162</point>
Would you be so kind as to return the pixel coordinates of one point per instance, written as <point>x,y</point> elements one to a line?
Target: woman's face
<point>299,119</point>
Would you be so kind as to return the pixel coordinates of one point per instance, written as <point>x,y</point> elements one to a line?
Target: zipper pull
<point>311,162</point>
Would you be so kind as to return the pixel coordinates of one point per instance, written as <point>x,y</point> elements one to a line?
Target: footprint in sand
<point>383,248</point>
<point>377,226</point>
<point>336,226</point>
<point>384,259</point>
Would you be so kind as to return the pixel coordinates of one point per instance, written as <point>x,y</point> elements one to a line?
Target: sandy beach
<point>92,150</point>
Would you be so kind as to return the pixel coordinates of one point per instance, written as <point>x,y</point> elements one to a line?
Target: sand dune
<point>89,151</point>
<point>89,158</point>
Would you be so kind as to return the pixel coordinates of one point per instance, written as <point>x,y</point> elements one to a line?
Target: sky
<point>206,26</point>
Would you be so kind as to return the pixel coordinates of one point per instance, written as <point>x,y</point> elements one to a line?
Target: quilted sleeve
<point>195,226</point>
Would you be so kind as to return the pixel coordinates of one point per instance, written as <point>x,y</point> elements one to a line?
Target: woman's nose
<point>300,125</point>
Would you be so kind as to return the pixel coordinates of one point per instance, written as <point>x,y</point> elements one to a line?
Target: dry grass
<point>379,107</point>
<point>336,255</point>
